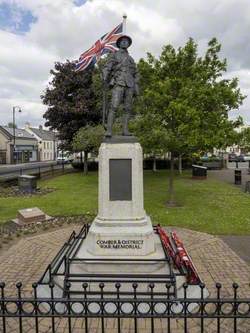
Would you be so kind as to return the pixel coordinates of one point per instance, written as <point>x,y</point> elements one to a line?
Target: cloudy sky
<point>36,33</point>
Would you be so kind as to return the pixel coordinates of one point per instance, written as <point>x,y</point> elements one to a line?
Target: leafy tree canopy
<point>88,139</point>
<point>72,101</point>
<point>244,139</point>
<point>11,125</point>
<point>185,100</point>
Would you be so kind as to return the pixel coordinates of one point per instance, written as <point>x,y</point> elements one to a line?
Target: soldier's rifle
<point>104,101</point>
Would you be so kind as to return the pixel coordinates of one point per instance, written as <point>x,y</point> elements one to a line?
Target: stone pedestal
<point>27,183</point>
<point>121,245</point>
<point>121,227</point>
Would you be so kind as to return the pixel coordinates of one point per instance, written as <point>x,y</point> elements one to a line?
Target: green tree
<point>88,140</point>
<point>244,139</point>
<point>11,125</point>
<point>72,101</point>
<point>185,101</point>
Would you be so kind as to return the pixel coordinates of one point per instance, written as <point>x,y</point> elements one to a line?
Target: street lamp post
<point>14,129</point>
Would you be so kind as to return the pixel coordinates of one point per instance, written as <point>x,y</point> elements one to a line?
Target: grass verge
<point>210,205</point>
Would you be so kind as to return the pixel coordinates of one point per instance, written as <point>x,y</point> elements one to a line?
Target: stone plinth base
<point>119,238</point>
<point>92,270</point>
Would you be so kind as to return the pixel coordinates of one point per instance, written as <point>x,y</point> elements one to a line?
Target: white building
<point>47,142</point>
<point>17,146</point>
<point>236,149</point>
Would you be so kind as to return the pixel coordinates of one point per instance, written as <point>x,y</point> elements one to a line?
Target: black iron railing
<point>213,314</point>
<point>88,302</point>
<point>62,267</point>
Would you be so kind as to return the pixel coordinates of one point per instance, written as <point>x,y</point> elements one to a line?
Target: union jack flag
<point>106,44</point>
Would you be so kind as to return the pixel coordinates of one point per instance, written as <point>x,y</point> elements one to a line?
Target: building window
<point>44,145</point>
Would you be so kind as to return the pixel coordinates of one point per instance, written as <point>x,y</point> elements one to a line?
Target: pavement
<point>25,165</point>
<point>227,175</point>
<point>215,261</point>
<point>239,244</point>
<point>11,171</point>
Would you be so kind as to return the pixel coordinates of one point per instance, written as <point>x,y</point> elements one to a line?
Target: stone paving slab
<point>27,259</point>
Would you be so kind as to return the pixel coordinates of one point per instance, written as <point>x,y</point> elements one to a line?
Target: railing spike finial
<point>19,285</point>
<point>68,285</point>
<point>151,285</point>
<point>51,285</point>
<point>135,285</point>
<point>118,285</point>
<point>85,285</point>
<point>34,285</point>
<point>101,285</point>
<point>235,285</point>
<point>2,285</point>
<point>185,285</point>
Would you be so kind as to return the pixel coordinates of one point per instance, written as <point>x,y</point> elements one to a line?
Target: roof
<point>43,134</point>
<point>19,133</point>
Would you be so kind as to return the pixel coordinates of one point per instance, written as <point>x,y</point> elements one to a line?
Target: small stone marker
<point>30,215</point>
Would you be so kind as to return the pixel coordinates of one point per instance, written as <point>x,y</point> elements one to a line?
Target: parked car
<point>232,157</point>
<point>241,158</point>
<point>204,158</point>
<point>211,158</point>
<point>247,158</point>
<point>63,160</point>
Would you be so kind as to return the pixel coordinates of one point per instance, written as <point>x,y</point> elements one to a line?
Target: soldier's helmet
<point>122,37</point>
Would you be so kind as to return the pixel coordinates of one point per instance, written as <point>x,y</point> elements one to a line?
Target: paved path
<point>25,165</point>
<point>26,261</point>
<point>227,176</point>
<point>239,244</point>
<point>12,172</point>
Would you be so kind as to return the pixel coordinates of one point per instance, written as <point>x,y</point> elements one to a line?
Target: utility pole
<point>14,130</point>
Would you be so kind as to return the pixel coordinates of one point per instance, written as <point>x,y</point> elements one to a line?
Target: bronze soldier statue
<point>120,74</point>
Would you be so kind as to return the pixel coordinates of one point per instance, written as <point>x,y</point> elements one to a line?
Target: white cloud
<point>62,31</point>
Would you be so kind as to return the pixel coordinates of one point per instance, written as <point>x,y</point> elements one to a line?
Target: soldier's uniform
<point>121,74</point>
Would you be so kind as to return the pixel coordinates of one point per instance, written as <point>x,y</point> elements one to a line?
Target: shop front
<point>25,154</point>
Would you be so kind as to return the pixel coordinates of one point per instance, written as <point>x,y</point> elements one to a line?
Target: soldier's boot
<point>125,120</point>
<point>110,124</point>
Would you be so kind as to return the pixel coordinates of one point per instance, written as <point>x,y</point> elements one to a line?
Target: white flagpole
<point>124,24</point>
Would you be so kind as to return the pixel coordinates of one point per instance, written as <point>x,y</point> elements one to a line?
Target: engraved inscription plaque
<point>120,179</point>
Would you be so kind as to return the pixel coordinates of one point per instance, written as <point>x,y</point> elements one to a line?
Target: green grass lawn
<point>209,205</point>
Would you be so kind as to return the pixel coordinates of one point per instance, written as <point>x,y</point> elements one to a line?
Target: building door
<point>2,157</point>
<point>18,157</point>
